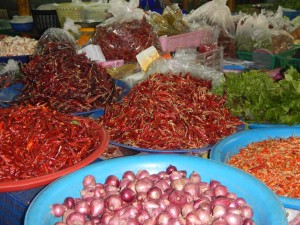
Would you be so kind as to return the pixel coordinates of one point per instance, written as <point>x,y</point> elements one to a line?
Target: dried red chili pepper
<point>66,81</point>
<point>125,40</point>
<point>169,112</point>
<point>36,141</point>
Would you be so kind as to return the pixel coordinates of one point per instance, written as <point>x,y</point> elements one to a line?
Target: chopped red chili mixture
<point>276,162</point>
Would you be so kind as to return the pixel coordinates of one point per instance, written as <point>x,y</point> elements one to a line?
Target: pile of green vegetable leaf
<point>257,98</point>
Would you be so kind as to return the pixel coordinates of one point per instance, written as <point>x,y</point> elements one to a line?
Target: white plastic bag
<point>253,32</point>
<point>123,11</point>
<point>215,13</point>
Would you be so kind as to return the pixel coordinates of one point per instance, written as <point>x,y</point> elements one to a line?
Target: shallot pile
<point>169,197</point>
<point>66,81</point>
<point>180,110</point>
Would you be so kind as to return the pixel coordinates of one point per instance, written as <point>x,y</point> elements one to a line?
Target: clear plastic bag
<point>8,73</point>
<point>96,11</point>
<point>176,66</point>
<point>54,35</point>
<point>170,22</point>
<point>253,32</point>
<point>123,11</point>
<point>127,33</point>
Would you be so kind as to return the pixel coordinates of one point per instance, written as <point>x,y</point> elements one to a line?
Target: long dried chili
<point>276,162</point>
<point>36,141</point>
<point>66,81</point>
<point>169,112</point>
<point>125,40</point>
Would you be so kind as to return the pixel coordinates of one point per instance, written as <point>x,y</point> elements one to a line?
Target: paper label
<point>146,57</point>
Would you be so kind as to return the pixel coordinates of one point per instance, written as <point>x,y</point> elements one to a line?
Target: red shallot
<point>146,203</point>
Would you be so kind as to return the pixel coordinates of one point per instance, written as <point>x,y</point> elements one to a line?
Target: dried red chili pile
<point>169,112</point>
<point>125,40</point>
<point>276,162</point>
<point>36,141</point>
<point>66,81</point>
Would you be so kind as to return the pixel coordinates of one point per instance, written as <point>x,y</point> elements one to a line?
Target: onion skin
<point>154,193</point>
<point>233,219</point>
<point>130,175</point>
<point>75,218</point>
<point>248,221</point>
<point>112,180</point>
<point>143,186</point>
<point>163,218</point>
<point>142,174</point>
<point>220,190</point>
<point>113,202</point>
<point>127,195</point>
<point>178,197</point>
<point>69,202</point>
<point>96,207</point>
<point>173,210</point>
<point>219,211</point>
<point>193,218</point>
<point>89,180</point>
<point>195,178</point>
<point>170,169</point>
<point>58,210</point>
<point>82,207</point>
<point>246,211</point>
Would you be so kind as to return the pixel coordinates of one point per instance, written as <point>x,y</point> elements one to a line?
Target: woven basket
<point>71,10</point>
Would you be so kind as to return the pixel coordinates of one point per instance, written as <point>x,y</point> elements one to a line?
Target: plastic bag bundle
<point>253,32</point>
<point>214,13</point>
<point>277,20</point>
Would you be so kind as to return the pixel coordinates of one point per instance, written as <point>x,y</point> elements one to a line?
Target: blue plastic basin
<point>22,27</point>
<point>232,144</point>
<point>268,210</point>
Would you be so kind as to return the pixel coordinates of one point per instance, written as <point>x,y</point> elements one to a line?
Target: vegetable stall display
<point>260,97</point>
<point>275,162</point>
<point>66,81</point>
<point>169,111</point>
<point>169,197</point>
<point>36,141</point>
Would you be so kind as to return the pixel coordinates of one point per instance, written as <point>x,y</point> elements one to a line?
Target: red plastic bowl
<point>46,179</point>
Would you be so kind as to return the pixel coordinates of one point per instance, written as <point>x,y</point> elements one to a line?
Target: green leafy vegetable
<point>257,98</point>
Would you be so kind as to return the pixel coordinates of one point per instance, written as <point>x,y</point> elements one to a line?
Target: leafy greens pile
<point>257,98</point>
